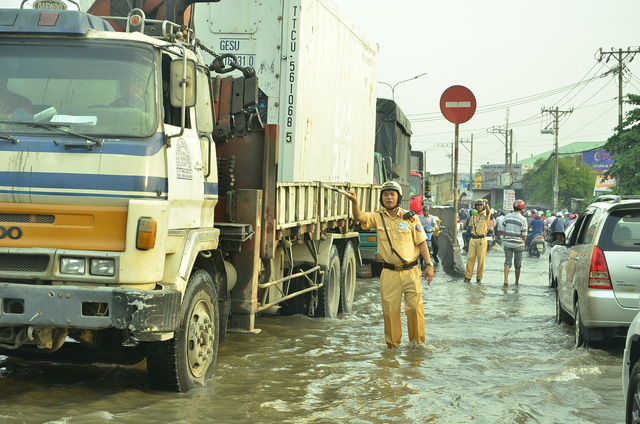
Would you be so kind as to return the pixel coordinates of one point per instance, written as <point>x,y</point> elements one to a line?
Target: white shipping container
<point>319,73</point>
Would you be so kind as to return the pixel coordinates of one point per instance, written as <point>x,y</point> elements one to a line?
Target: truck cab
<point>416,192</point>
<point>109,185</point>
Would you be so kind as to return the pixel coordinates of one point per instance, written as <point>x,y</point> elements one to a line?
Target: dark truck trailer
<point>393,143</point>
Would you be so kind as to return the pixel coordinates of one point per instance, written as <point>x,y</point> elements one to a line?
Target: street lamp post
<point>393,87</point>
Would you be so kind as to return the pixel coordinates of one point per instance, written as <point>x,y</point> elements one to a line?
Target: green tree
<point>575,180</point>
<point>624,146</point>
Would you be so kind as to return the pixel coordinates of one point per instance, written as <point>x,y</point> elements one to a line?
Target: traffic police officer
<point>401,239</point>
<point>478,225</point>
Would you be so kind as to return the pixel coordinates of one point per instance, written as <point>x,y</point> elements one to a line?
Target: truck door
<point>185,168</point>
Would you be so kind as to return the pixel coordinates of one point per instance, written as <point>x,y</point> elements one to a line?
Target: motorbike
<point>497,239</point>
<point>428,231</point>
<point>537,246</point>
<point>490,239</point>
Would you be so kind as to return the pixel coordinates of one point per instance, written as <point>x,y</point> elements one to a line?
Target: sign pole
<point>455,182</point>
<point>458,105</point>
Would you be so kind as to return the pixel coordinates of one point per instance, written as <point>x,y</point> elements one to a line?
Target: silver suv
<point>598,269</point>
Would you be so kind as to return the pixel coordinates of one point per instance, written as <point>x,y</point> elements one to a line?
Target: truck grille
<point>28,218</point>
<point>23,263</point>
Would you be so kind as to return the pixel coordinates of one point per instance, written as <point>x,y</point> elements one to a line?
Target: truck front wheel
<point>188,360</point>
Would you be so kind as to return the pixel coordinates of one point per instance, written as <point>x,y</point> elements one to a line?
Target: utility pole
<point>507,145</point>
<point>556,114</point>
<point>471,176</point>
<point>511,153</point>
<point>623,57</point>
<point>470,162</point>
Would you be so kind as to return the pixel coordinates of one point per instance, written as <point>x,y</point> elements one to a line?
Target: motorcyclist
<point>536,227</point>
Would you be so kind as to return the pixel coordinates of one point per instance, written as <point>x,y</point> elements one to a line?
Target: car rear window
<point>621,231</point>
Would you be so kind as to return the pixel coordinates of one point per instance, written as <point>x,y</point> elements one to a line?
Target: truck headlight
<point>72,266</point>
<point>106,267</point>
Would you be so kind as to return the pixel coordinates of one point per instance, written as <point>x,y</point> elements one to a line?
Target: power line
<point>623,58</point>
<point>433,116</point>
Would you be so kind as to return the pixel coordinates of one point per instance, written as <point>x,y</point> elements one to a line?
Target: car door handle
<point>633,266</point>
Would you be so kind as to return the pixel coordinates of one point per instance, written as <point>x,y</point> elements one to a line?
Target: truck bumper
<point>139,311</point>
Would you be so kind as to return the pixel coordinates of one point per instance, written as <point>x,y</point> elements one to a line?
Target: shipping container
<point>317,77</point>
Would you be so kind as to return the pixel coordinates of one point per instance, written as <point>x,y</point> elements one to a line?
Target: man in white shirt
<point>431,220</point>
<point>515,234</point>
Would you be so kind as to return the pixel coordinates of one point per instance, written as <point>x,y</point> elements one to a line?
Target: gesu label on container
<point>243,48</point>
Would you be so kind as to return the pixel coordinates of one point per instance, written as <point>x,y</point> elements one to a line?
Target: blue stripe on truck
<point>39,183</point>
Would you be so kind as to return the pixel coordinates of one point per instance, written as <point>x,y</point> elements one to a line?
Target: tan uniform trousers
<point>393,284</point>
<point>477,249</point>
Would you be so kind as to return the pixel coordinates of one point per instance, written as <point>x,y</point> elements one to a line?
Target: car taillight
<point>598,271</point>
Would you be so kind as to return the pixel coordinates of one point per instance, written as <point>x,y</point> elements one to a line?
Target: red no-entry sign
<point>458,104</point>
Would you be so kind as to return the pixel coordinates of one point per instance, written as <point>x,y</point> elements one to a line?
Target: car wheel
<point>561,314</point>
<point>579,330</point>
<point>551,278</point>
<point>633,396</point>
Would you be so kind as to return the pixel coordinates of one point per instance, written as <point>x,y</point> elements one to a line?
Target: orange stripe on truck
<point>63,226</point>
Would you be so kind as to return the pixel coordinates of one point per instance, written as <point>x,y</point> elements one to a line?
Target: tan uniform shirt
<point>479,224</point>
<point>406,235</point>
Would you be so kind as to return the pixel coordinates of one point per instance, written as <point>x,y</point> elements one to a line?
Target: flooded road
<point>493,355</point>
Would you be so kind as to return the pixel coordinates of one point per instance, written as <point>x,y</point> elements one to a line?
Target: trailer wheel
<point>188,360</point>
<point>347,278</point>
<point>376,268</point>
<point>329,293</point>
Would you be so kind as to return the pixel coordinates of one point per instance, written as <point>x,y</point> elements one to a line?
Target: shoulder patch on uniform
<point>419,228</point>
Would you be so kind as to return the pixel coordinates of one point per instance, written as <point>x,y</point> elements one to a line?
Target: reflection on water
<point>493,355</point>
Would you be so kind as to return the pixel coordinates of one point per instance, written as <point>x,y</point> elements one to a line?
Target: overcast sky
<point>507,53</point>
<point>513,55</point>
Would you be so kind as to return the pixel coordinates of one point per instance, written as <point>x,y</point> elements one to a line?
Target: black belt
<point>475,236</point>
<point>408,265</point>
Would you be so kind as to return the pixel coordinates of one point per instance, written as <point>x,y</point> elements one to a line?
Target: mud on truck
<point>141,212</point>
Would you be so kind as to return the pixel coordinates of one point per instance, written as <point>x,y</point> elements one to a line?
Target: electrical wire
<point>434,116</point>
<point>582,88</point>
<point>591,122</point>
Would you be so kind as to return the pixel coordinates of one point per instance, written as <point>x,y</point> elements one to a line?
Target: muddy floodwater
<point>493,355</point>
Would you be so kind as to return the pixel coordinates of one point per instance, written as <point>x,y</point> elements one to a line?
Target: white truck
<point>145,210</point>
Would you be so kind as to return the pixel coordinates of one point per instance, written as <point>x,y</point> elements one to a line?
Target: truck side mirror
<point>183,83</point>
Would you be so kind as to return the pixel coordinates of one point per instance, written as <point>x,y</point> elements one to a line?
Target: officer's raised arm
<point>355,209</point>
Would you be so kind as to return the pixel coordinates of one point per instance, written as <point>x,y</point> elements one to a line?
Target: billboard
<point>599,160</point>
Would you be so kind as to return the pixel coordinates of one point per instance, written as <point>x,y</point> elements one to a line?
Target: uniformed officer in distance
<point>478,224</point>
<point>399,251</point>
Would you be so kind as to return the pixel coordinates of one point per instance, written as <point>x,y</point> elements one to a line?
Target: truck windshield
<point>415,186</point>
<point>104,90</point>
